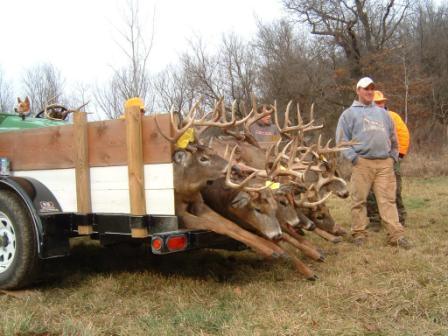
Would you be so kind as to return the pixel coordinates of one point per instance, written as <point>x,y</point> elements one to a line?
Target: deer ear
<point>27,100</point>
<point>254,195</point>
<point>241,200</point>
<point>19,100</point>
<point>180,157</point>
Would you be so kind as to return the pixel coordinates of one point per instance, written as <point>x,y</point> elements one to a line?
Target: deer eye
<point>204,158</point>
<point>284,203</point>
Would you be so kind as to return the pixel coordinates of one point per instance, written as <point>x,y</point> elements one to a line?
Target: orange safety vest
<point>402,133</point>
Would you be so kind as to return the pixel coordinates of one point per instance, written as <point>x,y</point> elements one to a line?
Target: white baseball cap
<point>364,82</point>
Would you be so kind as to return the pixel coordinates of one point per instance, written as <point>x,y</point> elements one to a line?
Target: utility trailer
<point>109,180</point>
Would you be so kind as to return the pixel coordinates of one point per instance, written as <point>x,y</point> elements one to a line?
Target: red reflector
<point>176,243</point>
<point>156,244</point>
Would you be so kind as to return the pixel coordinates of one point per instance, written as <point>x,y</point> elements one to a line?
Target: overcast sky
<point>79,36</point>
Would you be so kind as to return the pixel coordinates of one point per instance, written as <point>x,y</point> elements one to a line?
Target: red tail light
<point>177,243</point>
<point>156,244</point>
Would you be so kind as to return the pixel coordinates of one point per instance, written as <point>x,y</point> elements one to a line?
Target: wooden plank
<point>134,146</point>
<point>82,170</point>
<point>39,148</point>
<point>61,183</point>
<point>109,187</point>
<point>156,149</point>
<point>53,147</point>
<point>107,142</point>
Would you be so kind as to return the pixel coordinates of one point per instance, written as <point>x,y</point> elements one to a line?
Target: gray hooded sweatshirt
<point>374,130</point>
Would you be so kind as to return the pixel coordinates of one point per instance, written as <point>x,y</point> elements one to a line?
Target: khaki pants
<point>372,207</point>
<point>378,175</point>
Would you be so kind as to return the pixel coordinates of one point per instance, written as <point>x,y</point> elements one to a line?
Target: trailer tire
<point>19,260</point>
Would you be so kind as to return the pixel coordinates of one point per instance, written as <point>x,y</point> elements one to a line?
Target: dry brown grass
<point>372,290</point>
<point>428,163</point>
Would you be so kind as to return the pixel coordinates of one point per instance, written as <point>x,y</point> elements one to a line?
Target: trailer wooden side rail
<point>110,180</point>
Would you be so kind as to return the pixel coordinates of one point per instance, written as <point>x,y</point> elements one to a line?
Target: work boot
<point>402,243</point>
<point>374,226</point>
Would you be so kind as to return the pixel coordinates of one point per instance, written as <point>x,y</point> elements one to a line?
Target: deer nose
<point>276,237</point>
<point>343,194</point>
<point>309,225</point>
<point>275,234</point>
<point>294,222</point>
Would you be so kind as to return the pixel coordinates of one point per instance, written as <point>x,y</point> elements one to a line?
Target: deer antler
<point>219,118</point>
<point>243,184</point>
<point>304,203</point>
<point>255,115</point>
<point>178,132</point>
<point>295,168</point>
<point>53,107</point>
<point>307,204</point>
<point>78,109</point>
<point>300,127</point>
<point>342,145</point>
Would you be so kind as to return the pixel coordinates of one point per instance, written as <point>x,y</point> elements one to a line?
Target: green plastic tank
<point>13,122</point>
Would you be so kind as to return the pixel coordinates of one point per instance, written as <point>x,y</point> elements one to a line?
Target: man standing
<point>372,158</point>
<point>263,130</point>
<point>403,147</point>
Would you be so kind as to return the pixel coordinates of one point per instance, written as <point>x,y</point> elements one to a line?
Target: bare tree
<point>132,79</point>
<point>294,67</point>
<point>430,52</point>
<point>6,97</point>
<point>284,66</point>
<point>173,89</point>
<point>238,65</point>
<point>228,72</point>
<point>358,27</point>
<point>80,94</point>
<point>43,84</point>
<point>202,70</point>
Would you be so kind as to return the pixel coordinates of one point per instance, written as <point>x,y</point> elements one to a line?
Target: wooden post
<point>82,169</point>
<point>135,166</point>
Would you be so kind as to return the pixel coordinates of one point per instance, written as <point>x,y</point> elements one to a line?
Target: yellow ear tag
<point>282,167</point>
<point>186,138</point>
<point>323,158</point>
<point>272,185</point>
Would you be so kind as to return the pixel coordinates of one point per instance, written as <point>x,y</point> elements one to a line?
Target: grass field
<point>369,290</point>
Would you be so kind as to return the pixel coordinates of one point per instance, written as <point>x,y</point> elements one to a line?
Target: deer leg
<point>300,266</point>
<point>328,236</point>
<point>339,230</point>
<point>208,220</point>
<point>215,217</point>
<point>218,224</point>
<point>293,233</point>
<point>308,251</point>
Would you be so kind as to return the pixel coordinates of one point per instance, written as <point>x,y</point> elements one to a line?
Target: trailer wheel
<point>19,259</point>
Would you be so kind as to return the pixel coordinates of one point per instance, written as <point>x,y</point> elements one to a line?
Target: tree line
<point>315,54</point>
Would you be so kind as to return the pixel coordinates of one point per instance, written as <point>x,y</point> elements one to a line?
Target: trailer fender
<point>52,241</point>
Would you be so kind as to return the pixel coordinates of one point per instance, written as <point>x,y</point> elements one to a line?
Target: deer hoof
<point>276,255</point>
<point>340,231</point>
<point>313,277</point>
<point>336,239</point>
<point>321,258</point>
